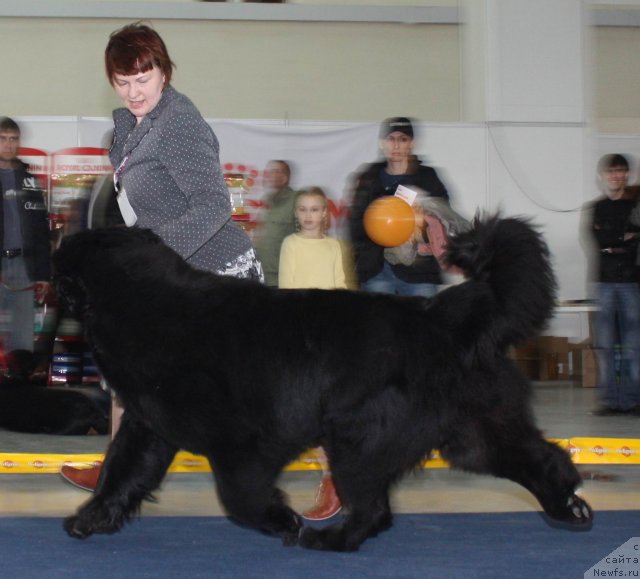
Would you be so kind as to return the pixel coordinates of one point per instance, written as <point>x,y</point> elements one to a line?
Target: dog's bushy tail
<point>510,259</point>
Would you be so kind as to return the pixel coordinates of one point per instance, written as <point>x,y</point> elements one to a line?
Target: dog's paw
<point>290,538</point>
<point>83,525</point>
<point>292,528</point>
<point>75,528</point>
<point>581,513</point>
<point>311,538</point>
<point>333,538</point>
<point>282,521</point>
<point>575,512</point>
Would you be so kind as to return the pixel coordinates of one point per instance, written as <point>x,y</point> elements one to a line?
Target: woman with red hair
<point>167,171</point>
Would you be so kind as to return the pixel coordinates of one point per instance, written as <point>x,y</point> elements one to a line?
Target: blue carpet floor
<point>496,545</point>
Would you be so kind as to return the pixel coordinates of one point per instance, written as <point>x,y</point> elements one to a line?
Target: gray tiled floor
<point>563,411</point>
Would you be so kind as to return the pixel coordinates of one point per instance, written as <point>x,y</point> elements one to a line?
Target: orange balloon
<point>389,221</point>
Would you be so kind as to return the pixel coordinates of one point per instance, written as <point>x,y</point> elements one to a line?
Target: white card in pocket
<point>406,194</point>
<point>128,214</point>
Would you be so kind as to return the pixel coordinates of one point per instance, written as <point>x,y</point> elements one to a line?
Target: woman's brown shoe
<point>83,478</point>
<point>327,501</point>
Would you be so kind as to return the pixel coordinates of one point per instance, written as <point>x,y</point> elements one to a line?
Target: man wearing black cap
<point>400,167</point>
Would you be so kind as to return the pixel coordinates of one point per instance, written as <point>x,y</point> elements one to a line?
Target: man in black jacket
<point>24,243</point>
<point>400,167</point>
<point>618,317</point>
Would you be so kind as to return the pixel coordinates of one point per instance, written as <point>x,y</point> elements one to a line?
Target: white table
<point>572,320</point>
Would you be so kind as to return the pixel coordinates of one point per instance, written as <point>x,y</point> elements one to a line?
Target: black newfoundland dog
<point>250,377</point>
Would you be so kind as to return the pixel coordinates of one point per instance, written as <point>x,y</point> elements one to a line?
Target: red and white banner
<point>38,161</point>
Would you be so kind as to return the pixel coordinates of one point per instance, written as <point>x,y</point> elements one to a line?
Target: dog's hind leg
<point>365,494</point>
<point>546,470</point>
<point>369,446</point>
<point>362,522</point>
<point>135,464</point>
<point>527,458</point>
<point>246,486</point>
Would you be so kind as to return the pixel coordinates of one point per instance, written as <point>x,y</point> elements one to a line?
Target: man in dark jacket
<point>400,167</point>
<point>618,317</point>
<point>24,243</point>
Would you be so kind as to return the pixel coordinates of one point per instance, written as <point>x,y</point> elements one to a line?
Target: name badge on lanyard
<point>128,214</point>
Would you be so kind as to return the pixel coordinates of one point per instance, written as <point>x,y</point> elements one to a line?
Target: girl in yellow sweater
<point>310,259</point>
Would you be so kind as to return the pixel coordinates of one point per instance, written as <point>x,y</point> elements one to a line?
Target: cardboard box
<point>584,363</point>
<point>554,357</point>
<point>544,358</point>
<point>527,359</point>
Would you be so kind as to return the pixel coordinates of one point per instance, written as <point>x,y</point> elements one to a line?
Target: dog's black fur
<point>250,377</point>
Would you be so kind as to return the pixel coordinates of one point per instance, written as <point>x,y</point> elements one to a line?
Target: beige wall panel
<point>55,67</point>
<point>616,78</point>
<point>305,70</point>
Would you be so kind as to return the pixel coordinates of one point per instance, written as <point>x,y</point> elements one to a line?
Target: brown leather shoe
<point>83,478</point>
<point>327,501</point>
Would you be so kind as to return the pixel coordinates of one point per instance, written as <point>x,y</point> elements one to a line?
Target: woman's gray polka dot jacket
<point>174,182</point>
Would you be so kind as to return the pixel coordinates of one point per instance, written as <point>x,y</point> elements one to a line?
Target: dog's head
<point>94,259</point>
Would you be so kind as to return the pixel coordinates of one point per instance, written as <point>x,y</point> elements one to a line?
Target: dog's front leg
<point>135,464</point>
